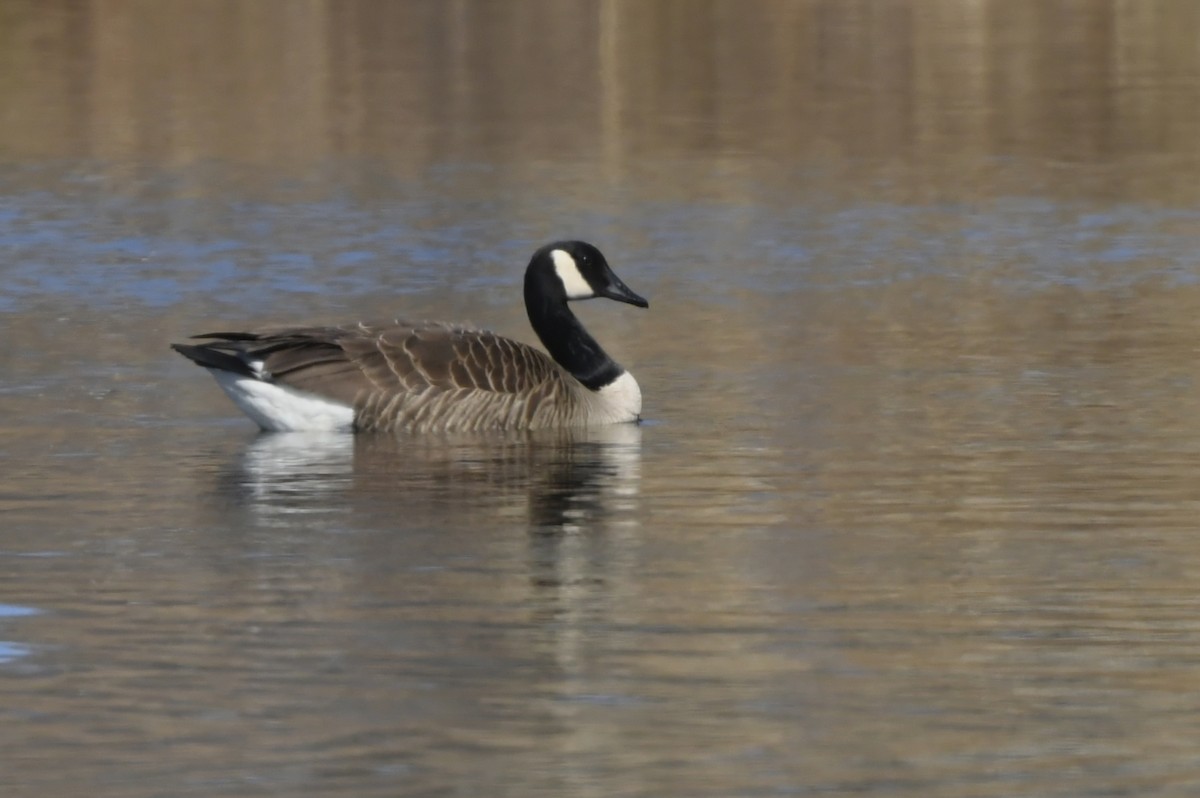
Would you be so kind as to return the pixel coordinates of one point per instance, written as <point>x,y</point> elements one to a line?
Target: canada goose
<point>431,376</point>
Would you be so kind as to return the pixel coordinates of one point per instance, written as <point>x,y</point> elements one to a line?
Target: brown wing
<point>404,356</point>
<point>401,370</point>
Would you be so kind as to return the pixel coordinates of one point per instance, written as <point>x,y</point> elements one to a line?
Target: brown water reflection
<point>914,512</point>
<point>938,85</point>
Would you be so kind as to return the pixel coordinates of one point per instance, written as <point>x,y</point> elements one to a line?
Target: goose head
<point>570,270</point>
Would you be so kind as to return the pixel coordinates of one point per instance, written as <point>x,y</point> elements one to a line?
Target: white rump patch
<point>277,408</point>
<point>621,399</point>
<point>568,272</point>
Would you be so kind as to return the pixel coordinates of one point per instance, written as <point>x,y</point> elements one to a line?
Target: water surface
<point>913,509</point>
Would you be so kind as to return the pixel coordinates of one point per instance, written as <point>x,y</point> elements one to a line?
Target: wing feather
<point>407,375</point>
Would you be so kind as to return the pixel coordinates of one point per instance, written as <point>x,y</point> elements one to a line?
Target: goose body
<point>432,376</point>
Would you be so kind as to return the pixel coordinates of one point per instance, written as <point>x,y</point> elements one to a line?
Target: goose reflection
<point>551,480</point>
<point>546,522</point>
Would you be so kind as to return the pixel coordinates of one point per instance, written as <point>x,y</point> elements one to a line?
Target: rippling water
<point>912,511</point>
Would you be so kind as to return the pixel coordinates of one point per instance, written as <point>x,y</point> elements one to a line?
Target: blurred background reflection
<point>914,509</point>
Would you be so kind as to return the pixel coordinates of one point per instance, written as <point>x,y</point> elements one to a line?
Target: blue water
<point>157,249</point>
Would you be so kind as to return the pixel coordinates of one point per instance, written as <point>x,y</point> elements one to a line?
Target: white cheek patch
<point>568,272</point>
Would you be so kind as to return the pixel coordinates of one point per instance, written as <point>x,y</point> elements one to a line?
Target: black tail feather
<point>229,336</point>
<point>214,356</point>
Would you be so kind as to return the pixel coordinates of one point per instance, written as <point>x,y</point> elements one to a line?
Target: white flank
<point>277,408</point>
<point>568,272</point>
<point>620,400</point>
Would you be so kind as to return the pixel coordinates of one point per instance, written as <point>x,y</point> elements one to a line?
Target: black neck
<point>568,342</point>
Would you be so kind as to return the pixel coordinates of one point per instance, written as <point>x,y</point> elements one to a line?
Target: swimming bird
<point>431,376</point>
